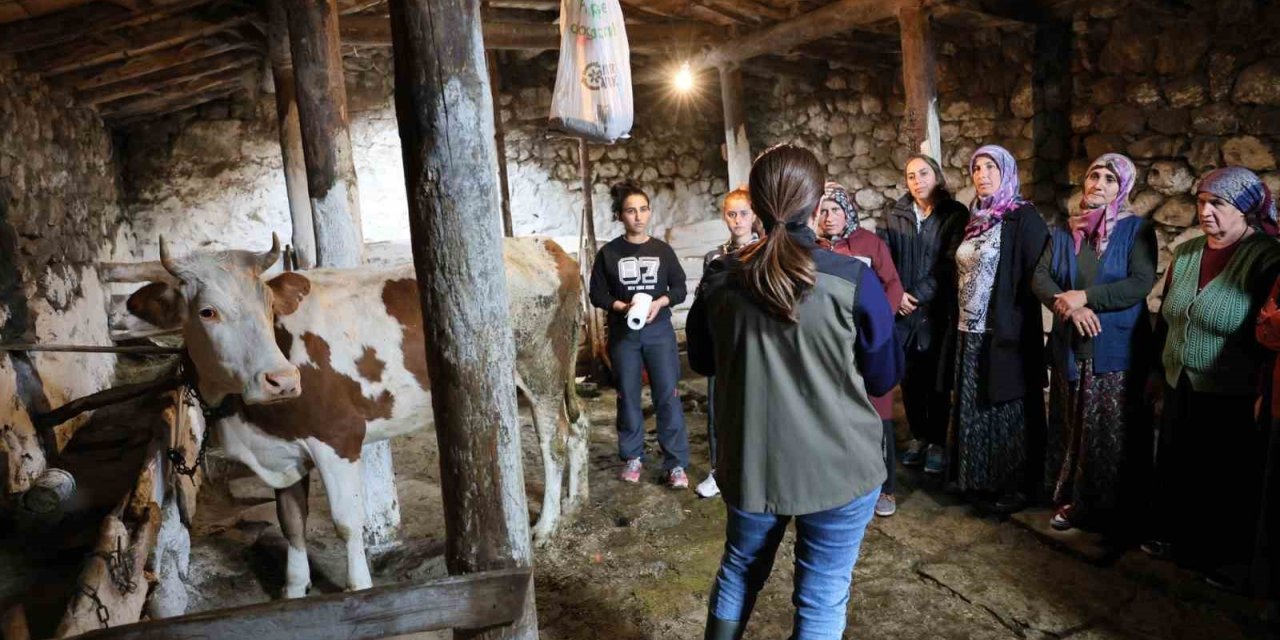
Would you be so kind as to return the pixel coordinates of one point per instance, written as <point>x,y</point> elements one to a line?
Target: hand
<point>1086,322</point>
<point>1068,301</point>
<point>655,307</point>
<point>621,307</point>
<point>909,304</point>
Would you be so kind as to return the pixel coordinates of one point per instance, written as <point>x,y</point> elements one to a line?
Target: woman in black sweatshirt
<point>631,264</point>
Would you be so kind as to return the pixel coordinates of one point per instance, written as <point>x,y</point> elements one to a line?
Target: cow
<point>302,370</point>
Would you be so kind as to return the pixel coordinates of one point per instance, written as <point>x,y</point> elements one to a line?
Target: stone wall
<point>1181,95</point>
<point>212,178</point>
<point>59,215</point>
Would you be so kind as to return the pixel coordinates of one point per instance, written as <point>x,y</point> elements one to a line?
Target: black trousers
<point>927,408</point>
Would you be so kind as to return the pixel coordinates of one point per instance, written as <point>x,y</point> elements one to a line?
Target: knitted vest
<point>1211,333</point>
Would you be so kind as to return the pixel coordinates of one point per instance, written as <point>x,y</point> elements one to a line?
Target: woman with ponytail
<point>997,430</point>
<point>799,339</point>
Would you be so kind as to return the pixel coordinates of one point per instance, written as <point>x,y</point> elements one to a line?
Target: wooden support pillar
<point>737,149</point>
<point>918,74</point>
<point>326,142</point>
<point>335,205</point>
<point>443,104</point>
<point>500,141</point>
<point>295,167</point>
<point>586,261</point>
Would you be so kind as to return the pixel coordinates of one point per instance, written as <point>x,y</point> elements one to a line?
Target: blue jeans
<point>653,347</point>
<point>827,544</point>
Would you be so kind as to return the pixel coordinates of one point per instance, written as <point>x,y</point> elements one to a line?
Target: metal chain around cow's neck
<point>104,614</point>
<point>119,567</point>
<point>176,455</point>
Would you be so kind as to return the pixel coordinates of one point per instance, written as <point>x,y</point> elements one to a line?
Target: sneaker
<point>914,457</point>
<point>708,488</point>
<point>631,472</point>
<point>1061,520</point>
<point>1158,549</point>
<point>886,505</point>
<point>935,460</point>
<point>676,478</point>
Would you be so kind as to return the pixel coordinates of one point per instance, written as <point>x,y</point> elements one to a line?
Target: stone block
<point>1178,211</point>
<point>1222,74</point>
<point>1126,51</point>
<point>1023,101</point>
<point>1122,119</point>
<point>1249,152</point>
<point>1170,121</point>
<point>1152,147</point>
<point>1263,121</point>
<point>1179,49</point>
<point>1259,83</point>
<point>1170,177</point>
<point>1083,118</point>
<point>1187,91</point>
<point>869,199</point>
<point>978,129</point>
<point>884,132</point>
<point>842,146</point>
<point>1098,144</point>
<point>1204,155</point>
<point>688,167</point>
<point>1143,93</point>
<point>1106,90</point>
<point>836,82</point>
<point>871,104</point>
<point>1145,202</point>
<point>1218,119</point>
<point>883,177</point>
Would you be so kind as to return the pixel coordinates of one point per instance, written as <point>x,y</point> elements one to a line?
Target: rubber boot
<point>718,629</point>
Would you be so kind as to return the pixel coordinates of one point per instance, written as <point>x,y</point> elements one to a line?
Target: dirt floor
<point>638,561</point>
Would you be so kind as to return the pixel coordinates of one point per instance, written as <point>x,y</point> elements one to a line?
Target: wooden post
<point>737,148</point>
<point>443,104</point>
<point>335,205</point>
<point>295,167</point>
<point>586,260</point>
<point>918,79</point>
<point>326,142</point>
<point>500,140</point>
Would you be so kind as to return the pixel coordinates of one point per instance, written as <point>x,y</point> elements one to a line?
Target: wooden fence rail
<point>469,601</point>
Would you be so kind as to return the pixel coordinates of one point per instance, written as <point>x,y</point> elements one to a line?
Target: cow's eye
<point>209,313</point>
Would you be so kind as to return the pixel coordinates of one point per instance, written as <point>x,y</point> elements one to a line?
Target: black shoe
<point>1010,502</point>
<point>718,629</point>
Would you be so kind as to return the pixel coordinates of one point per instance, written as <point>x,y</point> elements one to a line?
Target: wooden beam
<point>475,600</point>
<point>291,154</point>
<point>182,97</point>
<point>158,36</point>
<point>918,75</point>
<point>828,20</point>
<point>737,148</point>
<point>443,106</point>
<point>233,60</point>
<point>82,22</point>
<point>376,31</point>
<point>128,69</point>
<point>499,140</point>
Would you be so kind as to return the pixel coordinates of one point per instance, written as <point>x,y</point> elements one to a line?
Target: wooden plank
<point>82,22</point>
<point>128,69</point>
<point>150,83</point>
<point>444,111</point>
<point>174,92</point>
<point>825,21</point>
<point>294,164</point>
<point>99,601</point>
<point>76,348</point>
<point>106,397</point>
<point>187,431</point>
<point>167,33</point>
<point>737,146</point>
<point>918,74</point>
<point>499,141</point>
<point>650,38</point>
<point>466,601</point>
<point>13,624</point>
<point>159,105</point>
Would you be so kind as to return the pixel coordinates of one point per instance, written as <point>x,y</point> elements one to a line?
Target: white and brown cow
<point>318,365</point>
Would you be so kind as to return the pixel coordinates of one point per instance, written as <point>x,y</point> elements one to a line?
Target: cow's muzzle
<point>275,386</point>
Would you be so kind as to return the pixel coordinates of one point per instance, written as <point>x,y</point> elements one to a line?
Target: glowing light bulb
<point>684,79</point>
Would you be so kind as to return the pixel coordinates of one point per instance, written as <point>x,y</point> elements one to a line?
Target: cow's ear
<point>159,303</point>
<point>289,289</point>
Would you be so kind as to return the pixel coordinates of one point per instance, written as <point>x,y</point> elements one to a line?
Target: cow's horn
<point>268,259</point>
<point>167,260</point>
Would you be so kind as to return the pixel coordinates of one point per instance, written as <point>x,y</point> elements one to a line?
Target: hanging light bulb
<point>684,78</point>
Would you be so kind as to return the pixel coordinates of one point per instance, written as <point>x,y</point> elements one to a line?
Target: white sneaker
<point>708,488</point>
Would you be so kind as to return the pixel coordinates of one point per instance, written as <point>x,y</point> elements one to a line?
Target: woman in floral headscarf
<point>997,431</point>
<point>1208,455</point>
<point>1095,275</point>
<point>839,219</point>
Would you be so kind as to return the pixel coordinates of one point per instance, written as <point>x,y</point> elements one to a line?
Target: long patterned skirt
<point>988,442</point>
<point>1088,425</point>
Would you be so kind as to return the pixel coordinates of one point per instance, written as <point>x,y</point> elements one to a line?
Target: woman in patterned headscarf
<point>1095,275</point>
<point>997,432</point>
<point>1208,454</point>
<point>838,214</point>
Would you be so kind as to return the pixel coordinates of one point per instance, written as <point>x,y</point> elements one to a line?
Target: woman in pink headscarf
<point>1095,275</point>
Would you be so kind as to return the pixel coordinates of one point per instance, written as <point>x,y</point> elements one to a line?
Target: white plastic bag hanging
<point>592,99</point>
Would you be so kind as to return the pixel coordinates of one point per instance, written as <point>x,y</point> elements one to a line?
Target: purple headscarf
<point>988,212</point>
<point>1247,192</point>
<point>1096,224</point>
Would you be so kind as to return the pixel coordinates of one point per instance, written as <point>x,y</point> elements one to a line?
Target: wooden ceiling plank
<point>160,107</point>
<point>159,36</point>
<point>78,23</point>
<point>90,79</point>
<point>232,60</point>
<point>829,20</point>
<point>156,101</point>
<point>376,31</point>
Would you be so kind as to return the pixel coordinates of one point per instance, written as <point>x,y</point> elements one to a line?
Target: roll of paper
<point>639,311</point>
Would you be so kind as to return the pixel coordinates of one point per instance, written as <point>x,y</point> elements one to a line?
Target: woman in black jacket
<point>997,434</point>
<point>922,230</point>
